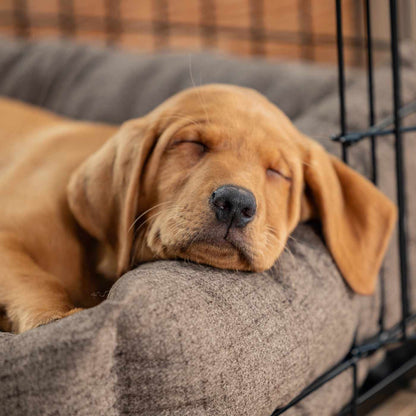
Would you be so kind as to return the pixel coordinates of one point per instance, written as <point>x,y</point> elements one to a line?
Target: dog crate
<point>399,335</point>
<point>261,36</point>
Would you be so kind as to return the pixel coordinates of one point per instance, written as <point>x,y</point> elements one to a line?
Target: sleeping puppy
<point>217,175</point>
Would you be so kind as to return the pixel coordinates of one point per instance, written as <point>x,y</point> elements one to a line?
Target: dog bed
<point>174,338</point>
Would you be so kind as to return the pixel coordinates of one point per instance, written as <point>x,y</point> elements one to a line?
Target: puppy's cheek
<point>160,239</point>
<point>264,263</point>
<point>267,254</point>
<point>271,260</point>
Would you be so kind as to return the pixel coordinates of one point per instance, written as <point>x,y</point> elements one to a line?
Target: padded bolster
<point>105,85</point>
<point>176,338</point>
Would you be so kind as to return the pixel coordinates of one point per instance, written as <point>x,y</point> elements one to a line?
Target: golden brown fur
<point>82,201</point>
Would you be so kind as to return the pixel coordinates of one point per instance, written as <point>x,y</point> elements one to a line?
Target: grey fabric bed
<point>183,339</point>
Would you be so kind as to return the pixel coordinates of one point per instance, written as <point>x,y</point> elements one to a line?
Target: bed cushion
<point>182,339</point>
<point>175,338</point>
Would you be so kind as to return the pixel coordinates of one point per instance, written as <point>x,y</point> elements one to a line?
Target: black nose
<point>233,205</point>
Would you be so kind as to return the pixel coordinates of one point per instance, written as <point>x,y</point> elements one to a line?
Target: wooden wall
<point>294,29</point>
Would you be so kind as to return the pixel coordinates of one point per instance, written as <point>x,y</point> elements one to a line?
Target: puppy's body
<point>216,175</point>
<point>41,247</point>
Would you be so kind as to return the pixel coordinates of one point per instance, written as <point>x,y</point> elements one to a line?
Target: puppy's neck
<point>106,262</point>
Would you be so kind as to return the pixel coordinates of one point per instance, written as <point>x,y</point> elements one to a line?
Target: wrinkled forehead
<point>228,109</point>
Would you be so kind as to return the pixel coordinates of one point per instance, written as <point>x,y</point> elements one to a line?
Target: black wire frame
<point>398,334</point>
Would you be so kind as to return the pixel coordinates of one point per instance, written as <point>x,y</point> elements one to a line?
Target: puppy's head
<point>219,175</point>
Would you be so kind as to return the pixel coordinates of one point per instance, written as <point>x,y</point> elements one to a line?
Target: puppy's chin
<point>222,255</point>
<point>234,252</point>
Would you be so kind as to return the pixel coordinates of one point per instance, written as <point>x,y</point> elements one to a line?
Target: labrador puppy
<point>217,175</point>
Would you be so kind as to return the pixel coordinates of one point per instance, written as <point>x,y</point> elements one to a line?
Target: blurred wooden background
<point>294,29</point>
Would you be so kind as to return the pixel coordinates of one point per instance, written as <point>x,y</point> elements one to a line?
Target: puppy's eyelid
<point>275,172</point>
<point>196,142</point>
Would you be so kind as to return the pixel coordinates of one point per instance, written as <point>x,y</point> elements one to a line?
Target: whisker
<point>142,241</point>
<point>293,238</point>
<point>147,221</point>
<point>292,256</point>
<point>145,212</point>
<point>200,97</point>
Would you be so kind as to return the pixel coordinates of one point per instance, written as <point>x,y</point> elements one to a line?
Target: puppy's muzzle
<point>233,205</point>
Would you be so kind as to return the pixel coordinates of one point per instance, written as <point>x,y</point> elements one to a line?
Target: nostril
<point>218,203</point>
<point>221,204</point>
<point>248,212</point>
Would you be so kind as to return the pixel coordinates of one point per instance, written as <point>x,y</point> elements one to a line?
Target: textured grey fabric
<point>176,338</point>
<point>95,84</point>
<point>181,339</point>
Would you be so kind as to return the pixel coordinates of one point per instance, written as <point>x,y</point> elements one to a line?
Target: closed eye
<point>196,143</point>
<point>277,173</point>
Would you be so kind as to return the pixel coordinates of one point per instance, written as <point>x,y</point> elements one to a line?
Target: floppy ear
<point>357,219</point>
<point>103,192</point>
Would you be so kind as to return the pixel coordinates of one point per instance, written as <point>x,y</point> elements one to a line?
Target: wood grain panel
<point>293,29</point>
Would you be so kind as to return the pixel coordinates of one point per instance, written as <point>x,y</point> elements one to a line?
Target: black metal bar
<point>352,138</point>
<point>371,121</point>
<point>354,390</point>
<point>381,318</point>
<point>355,137</point>
<point>341,78</point>
<point>400,177</point>
<point>370,84</point>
